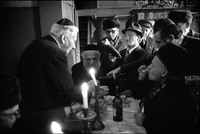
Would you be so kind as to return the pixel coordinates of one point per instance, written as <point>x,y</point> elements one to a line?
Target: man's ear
<point>170,38</point>
<point>63,38</point>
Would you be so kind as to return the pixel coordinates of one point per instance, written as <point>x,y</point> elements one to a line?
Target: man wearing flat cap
<point>10,98</point>
<point>112,44</point>
<point>147,39</point>
<point>46,83</point>
<point>183,19</point>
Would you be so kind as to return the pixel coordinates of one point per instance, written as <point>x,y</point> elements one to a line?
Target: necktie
<point>126,54</point>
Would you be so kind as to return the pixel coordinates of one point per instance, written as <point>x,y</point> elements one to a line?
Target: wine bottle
<point>117,106</point>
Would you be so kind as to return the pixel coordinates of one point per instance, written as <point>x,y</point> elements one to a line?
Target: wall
<point>22,22</point>
<point>19,26</point>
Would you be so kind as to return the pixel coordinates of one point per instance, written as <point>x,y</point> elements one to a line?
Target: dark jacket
<point>169,111</point>
<point>192,45</point>
<point>46,85</point>
<point>104,47</point>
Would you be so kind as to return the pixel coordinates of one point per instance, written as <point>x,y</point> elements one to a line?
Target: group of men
<point>48,89</point>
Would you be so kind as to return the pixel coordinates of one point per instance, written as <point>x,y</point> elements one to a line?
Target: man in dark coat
<point>112,44</point>
<point>46,83</point>
<point>168,108</point>
<point>90,59</point>
<point>133,52</point>
<point>183,19</point>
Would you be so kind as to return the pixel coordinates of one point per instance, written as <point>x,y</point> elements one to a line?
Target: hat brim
<point>137,31</point>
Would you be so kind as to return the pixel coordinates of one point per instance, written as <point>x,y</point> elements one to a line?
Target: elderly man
<point>90,59</point>
<point>167,95</point>
<point>46,83</point>
<point>10,99</point>
<point>133,52</point>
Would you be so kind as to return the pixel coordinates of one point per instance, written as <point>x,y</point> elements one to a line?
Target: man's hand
<point>114,72</point>
<point>142,70</point>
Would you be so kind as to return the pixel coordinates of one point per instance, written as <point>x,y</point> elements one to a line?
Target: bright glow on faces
<point>55,128</point>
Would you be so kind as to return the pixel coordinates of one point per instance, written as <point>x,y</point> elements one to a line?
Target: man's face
<point>8,117</point>
<point>91,59</point>
<point>145,31</point>
<point>69,38</point>
<point>156,70</point>
<point>132,39</point>
<point>158,40</point>
<point>184,28</point>
<point>112,33</point>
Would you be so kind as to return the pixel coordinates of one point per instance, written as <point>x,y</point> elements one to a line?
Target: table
<point>127,125</point>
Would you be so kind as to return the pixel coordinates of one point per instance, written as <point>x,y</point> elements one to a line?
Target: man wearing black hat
<point>90,59</point>
<point>133,52</point>
<point>183,19</point>
<point>46,83</point>
<point>10,98</point>
<point>168,108</point>
<point>112,44</point>
<point>147,41</point>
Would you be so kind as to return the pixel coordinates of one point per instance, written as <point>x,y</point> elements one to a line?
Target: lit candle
<point>85,95</point>
<point>92,73</point>
<point>55,128</point>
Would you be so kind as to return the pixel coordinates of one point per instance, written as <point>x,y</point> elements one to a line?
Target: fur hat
<point>145,23</point>
<point>175,58</point>
<point>10,91</point>
<point>134,27</point>
<point>178,16</point>
<point>111,23</point>
<point>65,21</point>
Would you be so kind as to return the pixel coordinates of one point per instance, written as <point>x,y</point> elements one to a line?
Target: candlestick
<point>92,73</point>
<point>85,95</point>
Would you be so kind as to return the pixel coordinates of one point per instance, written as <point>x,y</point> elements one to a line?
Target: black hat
<point>65,21</point>
<point>111,23</point>
<point>145,23</point>
<point>134,27</point>
<point>90,47</point>
<point>175,58</point>
<point>10,91</point>
<point>178,16</point>
<point>130,21</point>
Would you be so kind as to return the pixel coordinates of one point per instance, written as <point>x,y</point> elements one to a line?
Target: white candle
<point>92,73</point>
<point>84,88</point>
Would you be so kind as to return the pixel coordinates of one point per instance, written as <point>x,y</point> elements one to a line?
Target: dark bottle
<point>117,106</point>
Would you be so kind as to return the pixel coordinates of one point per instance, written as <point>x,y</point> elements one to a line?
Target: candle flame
<point>55,128</point>
<point>92,73</point>
<point>84,87</point>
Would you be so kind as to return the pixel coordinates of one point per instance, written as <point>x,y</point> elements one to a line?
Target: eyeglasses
<point>110,31</point>
<point>16,114</point>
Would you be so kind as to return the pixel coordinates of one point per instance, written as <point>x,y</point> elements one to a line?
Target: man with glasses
<point>112,44</point>
<point>10,97</point>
